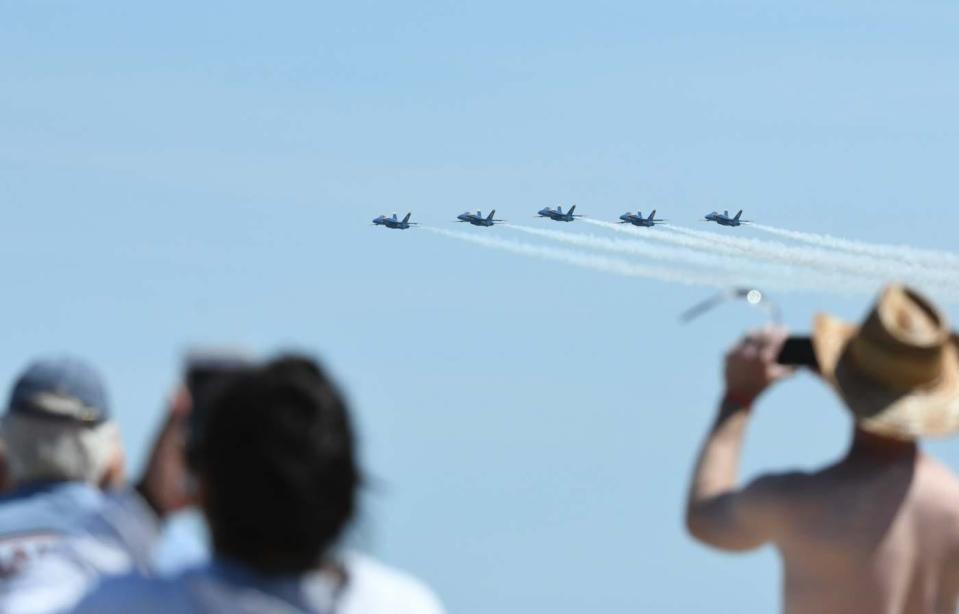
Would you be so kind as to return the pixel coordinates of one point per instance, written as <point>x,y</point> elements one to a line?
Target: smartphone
<point>207,371</point>
<point>798,352</point>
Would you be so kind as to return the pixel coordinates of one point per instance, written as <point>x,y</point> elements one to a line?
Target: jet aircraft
<point>557,214</point>
<point>393,222</point>
<point>637,219</point>
<point>723,219</point>
<point>477,219</point>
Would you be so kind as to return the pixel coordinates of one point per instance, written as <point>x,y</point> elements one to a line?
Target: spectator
<point>61,450</point>
<point>274,471</point>
<point>877,531</point>
<point>4,473</point>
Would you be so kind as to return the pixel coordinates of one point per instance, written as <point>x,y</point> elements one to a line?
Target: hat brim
<point>930,411</point>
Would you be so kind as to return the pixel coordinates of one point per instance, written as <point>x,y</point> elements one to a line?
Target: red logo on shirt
<point>18,550</point>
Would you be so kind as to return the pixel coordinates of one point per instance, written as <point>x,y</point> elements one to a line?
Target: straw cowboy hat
<point>899,372</point>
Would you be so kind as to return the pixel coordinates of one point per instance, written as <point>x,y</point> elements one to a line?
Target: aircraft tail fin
<point>652,216</point>
<point>407,218</point>
<point>571,209</point>
<point>491,214</point>
<point>738,215</point>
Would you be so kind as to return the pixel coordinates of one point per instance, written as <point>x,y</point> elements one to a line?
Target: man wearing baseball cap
<point>61,450</point>
<point>877,531</point>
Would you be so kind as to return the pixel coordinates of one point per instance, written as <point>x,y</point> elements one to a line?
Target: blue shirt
<point>63,540</point>
<point>38,516</point>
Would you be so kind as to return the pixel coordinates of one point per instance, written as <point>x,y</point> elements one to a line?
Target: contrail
<point>905,253</point>
<point>826,276</point>
<point>738,268</point>
<point>877,270</point>
<point>849,271</point>
<point>585,260</point>
<point>660,234</point>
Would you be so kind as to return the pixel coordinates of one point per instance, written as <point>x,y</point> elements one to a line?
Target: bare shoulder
<point>936,469</point>
<point>938,487</point>
<point>779,494</point>
<point>788,485</point>
<point>936,502</point>
<point>774,500</point>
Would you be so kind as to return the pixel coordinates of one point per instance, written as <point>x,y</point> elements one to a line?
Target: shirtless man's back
<point>875,533</point>
<point>888,527</point>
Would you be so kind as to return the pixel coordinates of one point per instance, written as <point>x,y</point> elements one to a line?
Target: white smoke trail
<point>738,270</point>
<point>852,272</point>
<point>904,253</point>
<point>584,259</point>
<point>944,283</point>
<point>656,234</point>
<point>823,277</point>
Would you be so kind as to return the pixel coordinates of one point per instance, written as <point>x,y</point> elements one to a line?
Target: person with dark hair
<point>271,462</point>
<point>4,470</point>
<point>877,531</point>
<point>276,468</point>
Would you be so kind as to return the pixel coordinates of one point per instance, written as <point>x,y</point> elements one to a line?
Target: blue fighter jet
<point>477,219</point>
<point>637,219</point>
<point>393,222</point>
<point>723,219</point>
<point>557,214</point>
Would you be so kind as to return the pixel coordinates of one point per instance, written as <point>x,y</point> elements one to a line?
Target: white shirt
<point>374,587</point>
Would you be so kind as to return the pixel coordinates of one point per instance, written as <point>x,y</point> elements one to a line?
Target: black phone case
<point>798,352</point>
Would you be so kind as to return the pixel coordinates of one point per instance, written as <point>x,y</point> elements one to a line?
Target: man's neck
<point>878,448</point>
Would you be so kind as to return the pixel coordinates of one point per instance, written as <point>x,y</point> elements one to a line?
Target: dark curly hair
<point>277,457</point>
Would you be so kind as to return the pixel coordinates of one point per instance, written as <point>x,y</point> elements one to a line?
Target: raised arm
<point>718,511</point>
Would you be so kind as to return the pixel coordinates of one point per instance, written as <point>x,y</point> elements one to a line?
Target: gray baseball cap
<point>61,388</point>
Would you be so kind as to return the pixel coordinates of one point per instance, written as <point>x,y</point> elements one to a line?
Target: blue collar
<point>40,487</point>
<point>316,590</point>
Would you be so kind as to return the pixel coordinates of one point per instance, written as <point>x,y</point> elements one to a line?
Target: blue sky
<point>206,172</point>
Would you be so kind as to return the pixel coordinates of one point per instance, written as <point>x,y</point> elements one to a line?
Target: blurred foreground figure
<point>61,451</point>
<point>273,468</point>
<point>5,483</point>
<point>878,531</point>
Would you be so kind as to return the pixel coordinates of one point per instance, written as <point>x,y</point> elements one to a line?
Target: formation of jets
<point>558,215</point>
